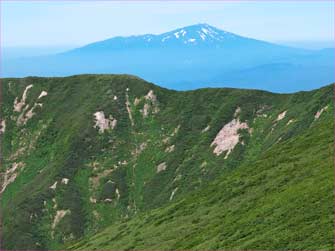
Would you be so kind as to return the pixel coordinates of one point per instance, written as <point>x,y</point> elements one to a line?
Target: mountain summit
<point>199,34</point>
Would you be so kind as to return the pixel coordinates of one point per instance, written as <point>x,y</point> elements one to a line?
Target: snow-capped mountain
<point>194,35</point>
<point>190,57</point>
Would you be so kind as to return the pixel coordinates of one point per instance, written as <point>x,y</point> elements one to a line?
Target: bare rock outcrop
<point>103,123</point>
<point>11,174</point>
<point>228,137</point>
<point>161,167</point>
<point>318,114</point>
<point>18,105</point>
<point>281,116</point>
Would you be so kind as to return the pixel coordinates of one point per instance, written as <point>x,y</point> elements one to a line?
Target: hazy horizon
<point>21,51</point>
<point>72,24</point>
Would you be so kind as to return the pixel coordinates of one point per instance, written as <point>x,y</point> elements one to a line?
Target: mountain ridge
<point>188,35</point>
<point>92,158</point>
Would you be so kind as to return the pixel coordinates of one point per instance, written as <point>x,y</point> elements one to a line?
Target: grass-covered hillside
<point>113,162</point>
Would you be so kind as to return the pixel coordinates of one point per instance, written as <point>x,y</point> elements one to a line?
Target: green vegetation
<point>152,181</point>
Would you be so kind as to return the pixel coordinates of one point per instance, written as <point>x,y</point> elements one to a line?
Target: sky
<point>76,23</point>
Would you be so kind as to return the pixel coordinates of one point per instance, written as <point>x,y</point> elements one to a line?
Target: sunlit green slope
<point>114,162</point>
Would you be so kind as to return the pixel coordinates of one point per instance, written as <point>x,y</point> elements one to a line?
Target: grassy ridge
<point>265,185</point>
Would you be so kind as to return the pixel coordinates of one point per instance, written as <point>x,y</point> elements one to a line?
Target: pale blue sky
<point>63,23</point>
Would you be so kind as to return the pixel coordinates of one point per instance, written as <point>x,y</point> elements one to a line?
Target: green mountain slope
<point>114,162</point>
<point>272,203</point>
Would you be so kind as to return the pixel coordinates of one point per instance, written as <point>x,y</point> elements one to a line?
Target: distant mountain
<point>112,162</point>
<point>191,36</point>
<point>190,57</point>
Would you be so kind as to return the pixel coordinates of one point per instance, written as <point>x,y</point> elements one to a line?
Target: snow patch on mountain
<point>165,38</point>
<point>182,32</point>
<point>194,34</point>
